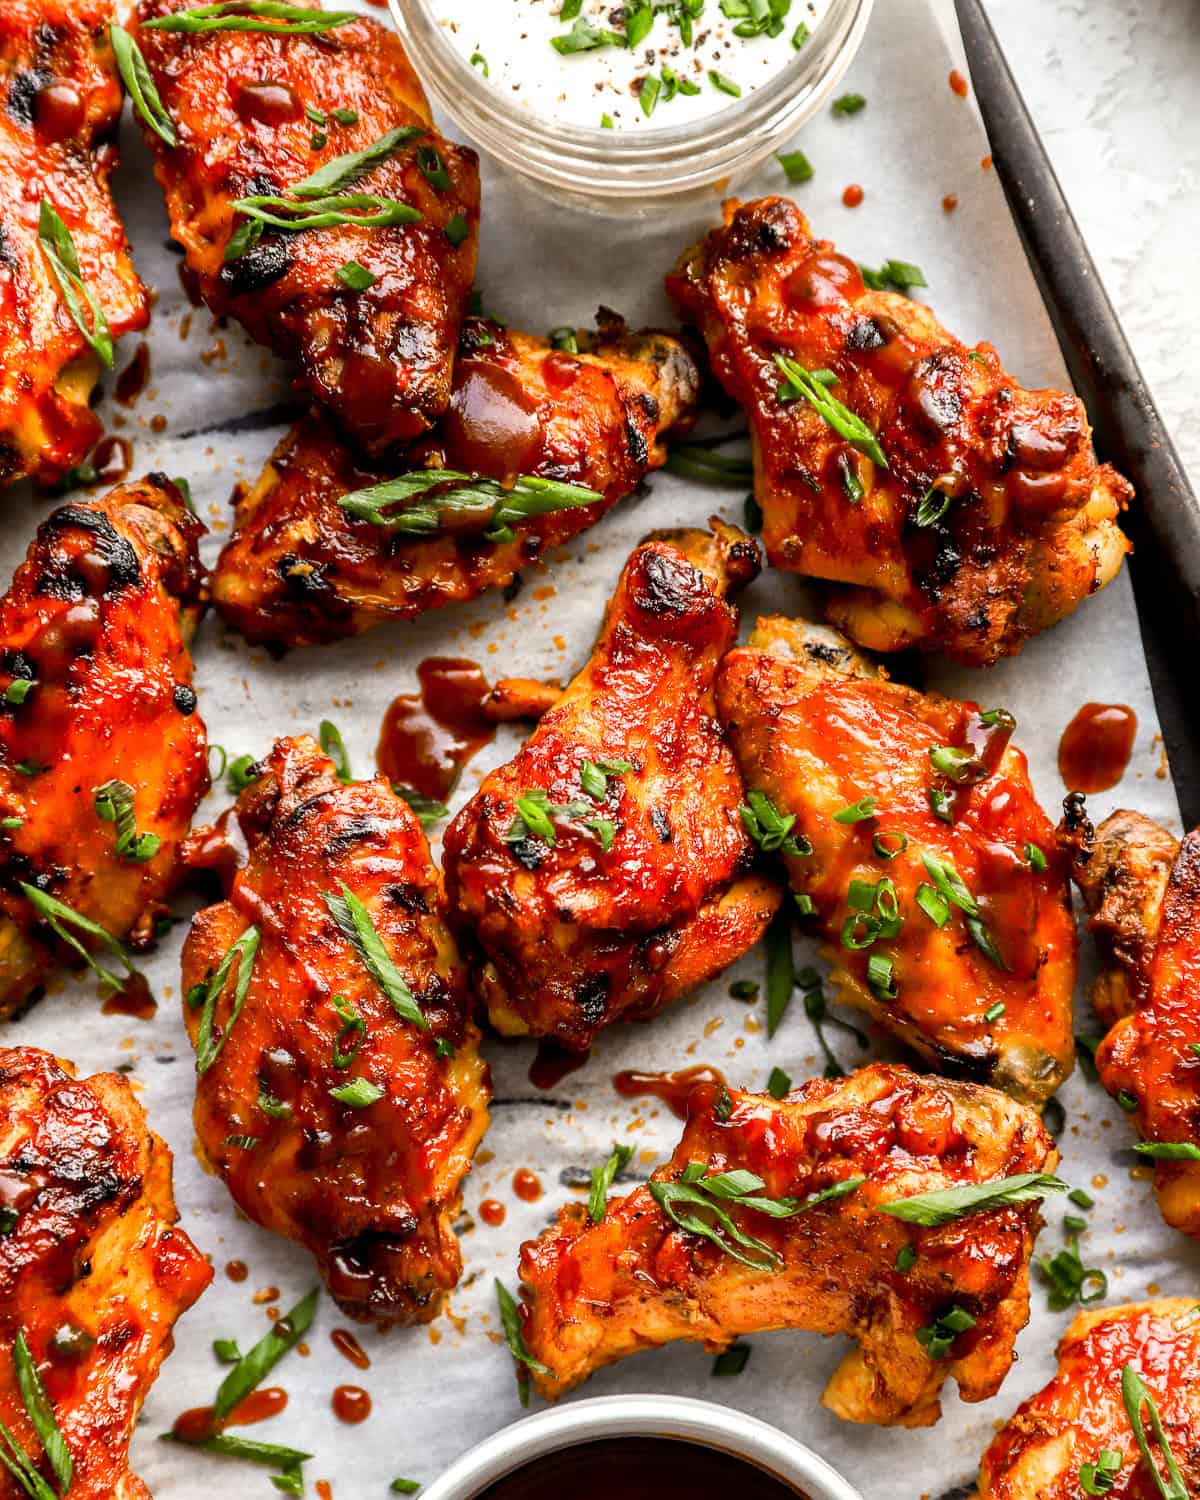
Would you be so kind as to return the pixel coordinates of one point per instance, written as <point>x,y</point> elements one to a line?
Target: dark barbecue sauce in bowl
<point>639,1468</point>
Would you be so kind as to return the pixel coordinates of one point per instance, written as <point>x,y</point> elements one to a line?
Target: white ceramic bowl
<point>700,1422</point>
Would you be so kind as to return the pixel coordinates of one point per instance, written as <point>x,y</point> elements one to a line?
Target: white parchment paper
<point>438,1390</point>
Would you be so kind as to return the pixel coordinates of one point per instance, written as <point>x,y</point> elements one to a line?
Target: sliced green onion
<point>136,77</point>
<point>243,953</point>
<point>802,382</point>
<point>59,249</point>
<point>252,15</point>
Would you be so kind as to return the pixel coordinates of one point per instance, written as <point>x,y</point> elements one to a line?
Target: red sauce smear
<point>674,1089</point>
<point>428,738</point>
<point>132,999</point>
<point>949,203</point>
<point>958,83</point>
<point>491,1211</point>
<point>324,1488</point>
<point>237,1270</point>
<point>349,1348</point>
<point>198,1423</point>
<point>112,460</point>
<point>1096,745</point>
<point>853,195</point>
<point>553,1063</point>
<point>133,379</point>
<point>351,1404</point>
<point>527,1185</point>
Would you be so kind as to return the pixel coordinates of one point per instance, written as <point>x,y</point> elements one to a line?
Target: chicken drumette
<point>1143,891</point>
<point>948,507</point>
<point>1064,1432</point>
<point>59,103</point>
<point>637,1279</point>
<point>604,872</point>
<point>93,1271</point>
<point>918,849</point>
<point>340,1092</point>
<point>102,753</point>
<point>301,569</point>
<point>290,124</point>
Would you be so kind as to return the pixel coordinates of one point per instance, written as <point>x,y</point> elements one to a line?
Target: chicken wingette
<point>604,871</point>
<point>1143,891</point>
<point>947,507</point>
<point>339,1091</point>
<point>268,131</point>
<point>68,289</point>
<point>1078,1428</point>
<point>915,845</point>
<point>302,568</point>
<point>93,1271</point>
<point>103,756</point>
<point>819,1252</point>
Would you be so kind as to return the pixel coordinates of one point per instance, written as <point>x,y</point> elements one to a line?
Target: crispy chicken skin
<point>380,358</point>
<point>597,1292</point>
<point>300,570</point>
<point>1143,890</point>
<point>571,937</point>
<point>370,1190</point>
<point>59,103</point>
<point>94,1273</point>
<point>816,733</point>
<point>1031,529</point>
<point>97,617</point>
<point>1038,1455</point>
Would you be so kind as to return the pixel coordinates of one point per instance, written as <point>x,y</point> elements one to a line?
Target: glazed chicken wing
<point>255,116</point>
<point>59,103</point>
<point>948,507</point>
<point>300,569</point>
<point>918,848</point>
<point>1143,890</point>
<point>93,1271</point>
<point>604,872</point>
<point>343,1097</point>
<point>599,1291</point>
<point>102,753</point>
<point>1081,1414</point>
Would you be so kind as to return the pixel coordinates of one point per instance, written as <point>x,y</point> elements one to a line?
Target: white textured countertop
<point>1112,85</point>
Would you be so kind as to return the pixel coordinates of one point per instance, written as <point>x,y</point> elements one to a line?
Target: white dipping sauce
<point>608,84</point>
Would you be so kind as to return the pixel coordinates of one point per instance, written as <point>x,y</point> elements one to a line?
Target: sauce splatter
<point>527,1185</point>
<point>949,203</point>
<point>853,195</point>
<point>674,1089</point>
<point>324,1488</point>
<point>552,1064</point>
<point>427,738</point>
<point>351,1404</point>
<point>1096,745</point>
<point>349,1348</point>
<point>237,1270</point>
<point>132,380</point>
<point>132,999</point>
<point>199,1422</point>
<point>112,460</point>
<point>491,1211</point>
<point>958,83</point>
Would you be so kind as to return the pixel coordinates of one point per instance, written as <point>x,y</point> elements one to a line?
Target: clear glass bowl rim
<point>660,159</point>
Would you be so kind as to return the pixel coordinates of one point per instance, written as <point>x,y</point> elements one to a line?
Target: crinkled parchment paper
<point>438,1390</point>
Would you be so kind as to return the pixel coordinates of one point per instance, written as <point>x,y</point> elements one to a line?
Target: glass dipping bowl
<point>644,172</point>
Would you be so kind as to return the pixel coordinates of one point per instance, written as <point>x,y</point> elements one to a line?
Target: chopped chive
<point>796,166</point>
<point>355,276</point>
<point>848,104</point>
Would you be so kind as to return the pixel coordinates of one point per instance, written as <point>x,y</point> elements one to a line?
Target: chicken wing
<point>604,872</point>
<point>371,312</point>
<point>949,507</point>
<point>103,757</point>
<point>1143,890</point>
<point>918,848</point>
<point>599,1291</point>
<point>93,1271</point>
<point>60,103</point>
<point>1081,1414</point>
<point>300,569</point>
<point>340,1092</point>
